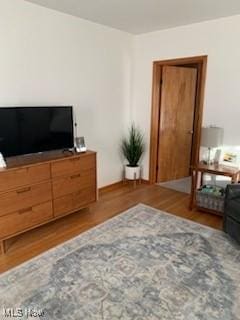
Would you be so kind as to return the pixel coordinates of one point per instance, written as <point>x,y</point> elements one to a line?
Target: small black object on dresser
<point>231,224</point>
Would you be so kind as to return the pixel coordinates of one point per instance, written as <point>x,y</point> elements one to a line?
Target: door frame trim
<point>201,64</point>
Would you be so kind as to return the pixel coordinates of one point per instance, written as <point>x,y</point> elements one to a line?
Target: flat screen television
<point>26,130</point>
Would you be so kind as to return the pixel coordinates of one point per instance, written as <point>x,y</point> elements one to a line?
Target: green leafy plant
<point>133,147</point>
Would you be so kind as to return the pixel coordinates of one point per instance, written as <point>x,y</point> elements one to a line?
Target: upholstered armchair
<point>231,223</point>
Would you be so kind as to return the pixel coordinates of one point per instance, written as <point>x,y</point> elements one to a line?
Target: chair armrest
<point>233,191</point>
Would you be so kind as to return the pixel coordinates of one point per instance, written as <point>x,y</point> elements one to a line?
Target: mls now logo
<point>9,313</point>
<point>13,313</point>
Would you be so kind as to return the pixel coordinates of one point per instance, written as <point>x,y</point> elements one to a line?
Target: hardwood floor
<point>111,202</point>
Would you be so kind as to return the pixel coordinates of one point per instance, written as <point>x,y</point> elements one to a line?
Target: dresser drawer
<point>73,183</point>
<point>24,219</point>
<point>24,197</point>
<point>70,166</point>
<point>83,197</point>
<point>63,205</point>
<point>12,179</point>
<point>74,201</point>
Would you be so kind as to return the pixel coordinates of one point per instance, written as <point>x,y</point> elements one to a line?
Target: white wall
<point>219,40</point>
<point>49,58</point>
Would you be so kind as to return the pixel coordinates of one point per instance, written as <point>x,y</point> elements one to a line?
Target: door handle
<point>190,132</point>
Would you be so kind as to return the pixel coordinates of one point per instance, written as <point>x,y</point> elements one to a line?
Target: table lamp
<point>212,137</point>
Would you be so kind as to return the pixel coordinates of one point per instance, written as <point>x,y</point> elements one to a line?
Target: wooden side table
<point>214,169</point>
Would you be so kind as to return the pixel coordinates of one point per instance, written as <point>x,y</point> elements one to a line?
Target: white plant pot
<point>132,173</point>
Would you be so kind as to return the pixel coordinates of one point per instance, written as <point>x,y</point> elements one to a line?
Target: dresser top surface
<point>45,157</point>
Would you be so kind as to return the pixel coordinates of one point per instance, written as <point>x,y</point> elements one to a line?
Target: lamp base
<point>208,161</point>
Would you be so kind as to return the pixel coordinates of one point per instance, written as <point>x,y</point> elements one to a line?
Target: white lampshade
<point>212,137</point>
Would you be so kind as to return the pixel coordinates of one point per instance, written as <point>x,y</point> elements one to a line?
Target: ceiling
<point>140,16</point>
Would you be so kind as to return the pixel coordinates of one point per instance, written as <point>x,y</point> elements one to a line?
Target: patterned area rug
<point>141,265</point>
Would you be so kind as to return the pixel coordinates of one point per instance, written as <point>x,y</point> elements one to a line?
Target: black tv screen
<point>26,130</point>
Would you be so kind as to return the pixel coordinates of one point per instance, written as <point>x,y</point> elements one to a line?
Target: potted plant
<point>132,148</point>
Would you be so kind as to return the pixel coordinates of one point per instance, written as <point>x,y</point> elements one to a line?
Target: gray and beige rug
<point>141,265</point>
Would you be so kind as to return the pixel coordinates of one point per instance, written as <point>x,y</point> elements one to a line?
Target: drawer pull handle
<point>24,190</point>
<point>76,176</point>
<point>25,210</point>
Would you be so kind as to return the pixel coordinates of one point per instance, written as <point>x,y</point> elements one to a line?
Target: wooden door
<point>178,93</point>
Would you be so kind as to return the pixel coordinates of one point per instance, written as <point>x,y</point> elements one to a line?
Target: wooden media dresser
<point>40,188</point>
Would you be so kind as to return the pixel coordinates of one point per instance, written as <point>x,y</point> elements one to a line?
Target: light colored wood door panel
<point>178,95</point>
